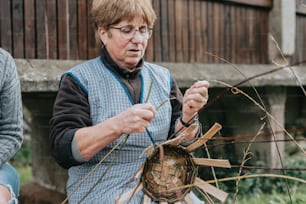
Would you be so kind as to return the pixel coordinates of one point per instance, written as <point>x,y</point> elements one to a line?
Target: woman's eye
<point>143,29</point>
<point>126,29</point>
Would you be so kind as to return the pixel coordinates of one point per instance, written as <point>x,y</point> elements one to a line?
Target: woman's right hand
<point>90,140</point>
<point>135,119</point>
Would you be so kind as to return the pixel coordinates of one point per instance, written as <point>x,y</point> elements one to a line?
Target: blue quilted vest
<point>107,97</point>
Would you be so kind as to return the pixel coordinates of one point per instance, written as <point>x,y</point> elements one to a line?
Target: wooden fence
<point>189,31</point>
<point>300,40</point>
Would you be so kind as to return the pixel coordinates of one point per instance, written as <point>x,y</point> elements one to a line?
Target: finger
<point>202,83</point>
<point>196,97</point>
<point>193,105</point>
<point>144,111</point>
<point>143,126</point>
<point>197,90</point>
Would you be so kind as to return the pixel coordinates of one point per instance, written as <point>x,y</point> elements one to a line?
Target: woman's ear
<point>103,35</point>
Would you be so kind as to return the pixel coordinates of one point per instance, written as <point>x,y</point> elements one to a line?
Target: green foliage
<point>297,197</point>
<point>25,174</point>
<point>23,156</point>
<point>299,125</point>
<point>22,162</point>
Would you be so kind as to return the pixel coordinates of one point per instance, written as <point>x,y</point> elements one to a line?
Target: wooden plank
<point>257,36</point>
<point>180,138</point>
<point>259,3</point>
<point>172,31</point>
<point>41,27</point>
<point>303,38</point>
<point>205,137</point>
<point>221,33</point>
<point>6,40</point>
<point>62,25</point>
<point>51,29</point>
<point>216,33</point>
<point>210,33</point>
<point>238,36</point>
<point>29,30</point>
<point>192,18</point>
<point>299,53</point>
<point>198,37</point>
<point>233,35</point>
<point>157,32</point>
<point>243,37</point>
<point>73,30</point>
<point>185,31</point>
<point>264,16</point>
<point>18,33</point>
<point>179,30</point>
<point>149,54</point>
<point>251,20</point>
<point>247,36</point>
<point>93,50</point>
<point>259,30</point>
<point>212,162</point>
<point>204,31</point>
<point>164,31</point>
<point>227,33</point>
<point>82,30</point>
<point>212,190</point>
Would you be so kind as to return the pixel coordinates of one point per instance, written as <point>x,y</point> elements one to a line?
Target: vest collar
<point>110,64</point>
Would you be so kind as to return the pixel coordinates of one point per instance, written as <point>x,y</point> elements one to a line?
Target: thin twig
<point>244,160</point>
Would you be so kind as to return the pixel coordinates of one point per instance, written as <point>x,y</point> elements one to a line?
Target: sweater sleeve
<point>11,118</point>
<point>71,111</point>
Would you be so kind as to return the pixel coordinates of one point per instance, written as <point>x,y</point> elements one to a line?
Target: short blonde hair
<point>105,13</point>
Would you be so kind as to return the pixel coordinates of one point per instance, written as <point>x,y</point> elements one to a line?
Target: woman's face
<point>126,42</point>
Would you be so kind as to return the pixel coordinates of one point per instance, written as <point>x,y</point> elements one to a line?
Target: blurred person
<point>102,100</point>
<point>11,121</point>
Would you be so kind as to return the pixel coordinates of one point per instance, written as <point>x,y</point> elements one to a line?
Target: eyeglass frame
<point>133,30</point>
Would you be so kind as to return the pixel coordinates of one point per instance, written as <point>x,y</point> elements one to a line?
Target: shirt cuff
<point>76,151</point>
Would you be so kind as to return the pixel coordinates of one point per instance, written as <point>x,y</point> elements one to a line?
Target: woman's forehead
<point>137,20</point>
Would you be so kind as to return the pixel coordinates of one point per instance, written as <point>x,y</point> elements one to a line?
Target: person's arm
<point>11,118</point>
<point>71,111</point>
<point>74,139</point>
<point>185,108</point>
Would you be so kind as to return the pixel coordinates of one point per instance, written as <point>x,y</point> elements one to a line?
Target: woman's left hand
<point>194,99</point>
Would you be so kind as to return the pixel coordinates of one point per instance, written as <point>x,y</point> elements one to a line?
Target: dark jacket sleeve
<point>176,97</point>
<point>71,111</point>
<point>177,105</point>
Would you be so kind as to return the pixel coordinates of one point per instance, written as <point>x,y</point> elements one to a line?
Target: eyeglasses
<point>127,32</point>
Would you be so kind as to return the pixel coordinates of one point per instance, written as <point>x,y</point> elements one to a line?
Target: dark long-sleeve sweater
<point>71,109</point>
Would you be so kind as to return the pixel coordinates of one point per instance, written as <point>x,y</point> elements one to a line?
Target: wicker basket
<point>168,173</point>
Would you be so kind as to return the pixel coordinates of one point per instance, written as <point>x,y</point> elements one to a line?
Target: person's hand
<point>136,119</point>
<point>194,99</point>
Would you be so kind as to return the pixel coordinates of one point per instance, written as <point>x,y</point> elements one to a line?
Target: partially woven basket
<point>168,173</point>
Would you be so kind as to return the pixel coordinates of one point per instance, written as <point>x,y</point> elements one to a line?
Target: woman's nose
<point>137,37</point>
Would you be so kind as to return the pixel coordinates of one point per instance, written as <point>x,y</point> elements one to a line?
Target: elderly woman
<point>114,97</point>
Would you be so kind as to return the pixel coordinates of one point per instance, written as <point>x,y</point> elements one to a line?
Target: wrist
<point>187,123</point>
